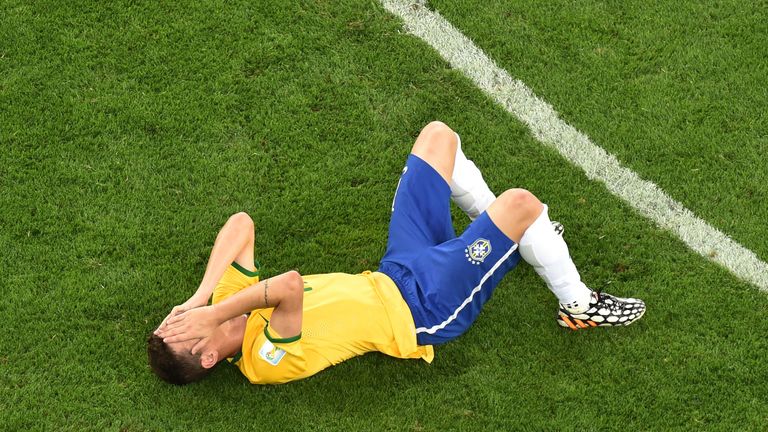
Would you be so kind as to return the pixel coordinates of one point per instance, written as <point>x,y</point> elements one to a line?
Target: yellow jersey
<point>344,316</point>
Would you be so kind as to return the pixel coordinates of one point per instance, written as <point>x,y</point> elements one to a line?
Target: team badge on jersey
<point>478,251</point>
<point>271,354</point>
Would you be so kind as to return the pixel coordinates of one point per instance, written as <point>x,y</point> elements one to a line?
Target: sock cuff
<point>541,222</point>
<point>460,159</point>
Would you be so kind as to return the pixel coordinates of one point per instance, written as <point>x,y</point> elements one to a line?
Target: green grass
<point>130,131</point>
<point>675,90</point>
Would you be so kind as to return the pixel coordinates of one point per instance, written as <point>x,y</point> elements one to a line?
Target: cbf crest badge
<point>478,251</point>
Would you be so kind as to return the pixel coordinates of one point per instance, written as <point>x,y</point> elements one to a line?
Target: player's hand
<point>198,323</point>
<point>192,303</point>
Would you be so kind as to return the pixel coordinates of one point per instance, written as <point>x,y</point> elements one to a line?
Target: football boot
<point>604,310</point>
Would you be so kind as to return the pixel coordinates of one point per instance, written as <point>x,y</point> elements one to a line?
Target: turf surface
<point>131,130</point>
<point>675,90</point>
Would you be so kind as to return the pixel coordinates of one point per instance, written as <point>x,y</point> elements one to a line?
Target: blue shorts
<point>444,279</point>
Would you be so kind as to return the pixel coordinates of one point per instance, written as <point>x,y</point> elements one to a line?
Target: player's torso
<point>343,317</point>
<point>341,310</point>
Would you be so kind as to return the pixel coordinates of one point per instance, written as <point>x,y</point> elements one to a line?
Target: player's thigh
<point>436,145</point>
<point>421,215</point>
<point>459,276</point>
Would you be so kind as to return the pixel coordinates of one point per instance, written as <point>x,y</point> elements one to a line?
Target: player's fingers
<point>162,326</point>
<point>180,337</point>
<point>177,335</point>
<point>199,346</point>
<point>177,310</point>
<point>162,332</point>
<point>165,321</point>
<point>167,317</point>
<point>176,328</point>
<point>170,329</point>
<point>174,320</point>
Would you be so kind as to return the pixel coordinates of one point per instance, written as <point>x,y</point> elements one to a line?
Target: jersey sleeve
<point>275,359</point>
<point>235,278</point>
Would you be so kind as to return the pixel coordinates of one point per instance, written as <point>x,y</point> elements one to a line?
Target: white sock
<point>468,189</point>
<point>547,252</point>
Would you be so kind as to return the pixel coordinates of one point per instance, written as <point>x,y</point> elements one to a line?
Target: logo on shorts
<point>271,354</point>
<point>405,169</point>
<point>478,251</point>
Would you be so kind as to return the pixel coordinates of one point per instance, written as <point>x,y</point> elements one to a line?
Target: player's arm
<point>284,292</point>
<point>234,243</point>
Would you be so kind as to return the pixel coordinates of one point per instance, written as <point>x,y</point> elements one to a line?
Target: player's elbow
<point>293,277</point>
<point>242,221</point>
<point>294,284</point>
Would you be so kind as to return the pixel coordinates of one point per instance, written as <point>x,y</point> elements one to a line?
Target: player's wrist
<point>199,298</point>
<point>218,313</point>
<point>203,294</point>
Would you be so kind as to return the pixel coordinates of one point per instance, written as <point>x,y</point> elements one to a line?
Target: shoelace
<point>614,307</point>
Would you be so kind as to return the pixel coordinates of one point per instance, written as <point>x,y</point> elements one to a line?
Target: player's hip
<point>445,294</point>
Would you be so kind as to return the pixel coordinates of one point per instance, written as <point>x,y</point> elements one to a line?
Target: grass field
<point>131,130</point>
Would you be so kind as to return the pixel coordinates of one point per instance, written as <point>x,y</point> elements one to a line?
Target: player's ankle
<point>579,304</point>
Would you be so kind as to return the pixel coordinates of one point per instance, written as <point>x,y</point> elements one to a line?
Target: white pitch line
<point>547,127</point>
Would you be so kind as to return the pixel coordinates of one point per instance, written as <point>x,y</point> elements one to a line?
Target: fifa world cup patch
<point>271,354</point>
<point>478,251</point>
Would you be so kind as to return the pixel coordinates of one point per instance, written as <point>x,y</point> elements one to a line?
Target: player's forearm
<point>229,242</point>
<point>273,292</point>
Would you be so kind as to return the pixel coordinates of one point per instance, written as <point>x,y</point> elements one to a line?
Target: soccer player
<point>429,288</point>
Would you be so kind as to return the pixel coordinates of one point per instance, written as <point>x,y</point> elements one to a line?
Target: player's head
<point>174,363</point>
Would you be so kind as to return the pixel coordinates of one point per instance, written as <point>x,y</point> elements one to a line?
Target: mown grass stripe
<point>546,126</point>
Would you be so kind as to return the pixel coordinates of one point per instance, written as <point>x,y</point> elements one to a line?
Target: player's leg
<point>421,215</point>
<point>436,145</point>
<point>525,220</point>
<point>468,188</point>
<point>514,211</point>
<point>456,278</point>
<point>440,146</point>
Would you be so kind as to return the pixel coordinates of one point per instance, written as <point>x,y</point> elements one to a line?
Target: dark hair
<point>173,367</point>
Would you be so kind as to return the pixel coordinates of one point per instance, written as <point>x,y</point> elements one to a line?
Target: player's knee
<point>439,133</point>
<point>436,126</point>
<point>522,203</point>
<point>436,138</point>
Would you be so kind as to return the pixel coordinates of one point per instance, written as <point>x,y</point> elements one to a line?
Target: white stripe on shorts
<point>468,300</point>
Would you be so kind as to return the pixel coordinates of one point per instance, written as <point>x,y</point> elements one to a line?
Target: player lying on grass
<point>428,290</point>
